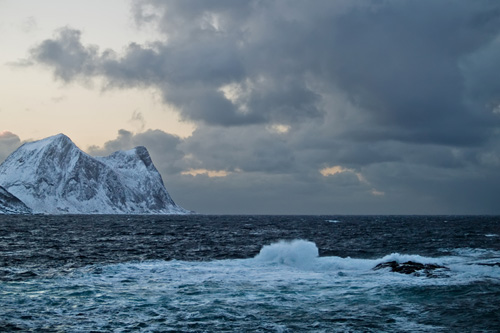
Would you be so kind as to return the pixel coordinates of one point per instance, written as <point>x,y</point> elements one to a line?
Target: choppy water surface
<point>248,273</point>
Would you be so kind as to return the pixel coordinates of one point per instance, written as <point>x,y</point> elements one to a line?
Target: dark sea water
<point>248,273</point>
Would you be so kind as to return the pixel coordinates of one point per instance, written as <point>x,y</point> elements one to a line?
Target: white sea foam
<point>295,253</point>
<point>286,280</point>
<point>401,258</point>
<point>293,261</point>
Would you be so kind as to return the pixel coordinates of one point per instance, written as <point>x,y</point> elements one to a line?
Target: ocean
<point>199,273</point>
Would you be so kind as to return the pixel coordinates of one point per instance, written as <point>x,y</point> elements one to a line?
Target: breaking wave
<point>292,253</point>
<point>287,286</point>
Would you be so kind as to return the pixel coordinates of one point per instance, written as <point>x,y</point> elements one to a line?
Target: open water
<point>248,273</point>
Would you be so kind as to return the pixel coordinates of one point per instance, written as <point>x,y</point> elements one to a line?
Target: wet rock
<point>411,267</point>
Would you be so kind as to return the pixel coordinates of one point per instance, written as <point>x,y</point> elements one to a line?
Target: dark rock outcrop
<point>411,267</point>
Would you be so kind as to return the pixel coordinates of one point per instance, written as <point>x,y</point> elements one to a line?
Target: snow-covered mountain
<point>9,204</point>
<point>53,176</point>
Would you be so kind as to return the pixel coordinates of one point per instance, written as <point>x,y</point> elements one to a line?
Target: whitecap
<point>298,252</point>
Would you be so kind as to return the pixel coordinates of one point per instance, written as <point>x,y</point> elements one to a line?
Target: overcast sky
<point>269,107</point>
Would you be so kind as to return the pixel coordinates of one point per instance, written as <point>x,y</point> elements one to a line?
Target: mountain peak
<point>55,138</point>
<point>59,140</point>
<point>143,154</point>
<point>59,136</point>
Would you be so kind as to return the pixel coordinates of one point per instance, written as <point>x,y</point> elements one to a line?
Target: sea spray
<point>297,253</point>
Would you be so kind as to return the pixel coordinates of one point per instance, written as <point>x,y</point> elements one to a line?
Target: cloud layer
<point>8,143</point>
<point>401,98</point>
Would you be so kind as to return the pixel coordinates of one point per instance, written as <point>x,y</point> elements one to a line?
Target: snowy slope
<point>54,176</point>
<point>9,204</point>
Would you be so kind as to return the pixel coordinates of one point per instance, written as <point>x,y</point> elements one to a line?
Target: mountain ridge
<point>53,176</point>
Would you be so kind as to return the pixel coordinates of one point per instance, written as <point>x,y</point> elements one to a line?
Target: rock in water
<point>410,267</point>
<point>10,204</point>
<point>53,176</point>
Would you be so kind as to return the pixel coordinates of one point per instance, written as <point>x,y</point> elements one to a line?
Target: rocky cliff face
<point>9,204</point>
<point>54,176</point>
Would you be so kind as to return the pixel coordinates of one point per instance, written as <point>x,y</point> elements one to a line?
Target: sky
<point>269,107</point>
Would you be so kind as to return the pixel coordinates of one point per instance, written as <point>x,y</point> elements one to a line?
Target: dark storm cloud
<point>259,180</point>
<point>403,95</point>
<point>249,149</point>
<point>401,63</point>
<point>162,147</point>
<point>8,143</point>
<point>481,82</point>
<point>66,55</point>
<point>266,174</point>
<point>411,67</point>
<point>239,149</point>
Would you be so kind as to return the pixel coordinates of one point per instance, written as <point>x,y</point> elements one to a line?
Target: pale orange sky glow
<point>34,106</point>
